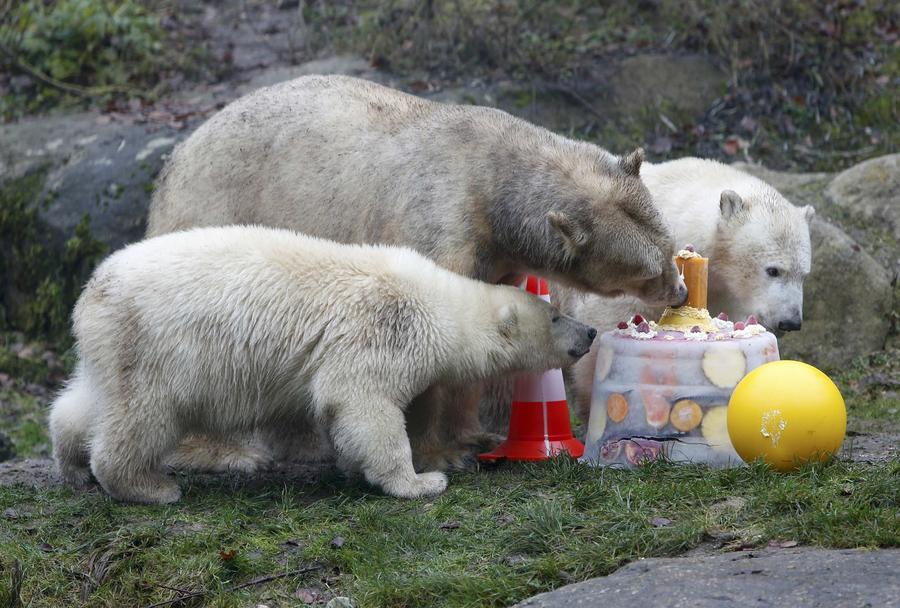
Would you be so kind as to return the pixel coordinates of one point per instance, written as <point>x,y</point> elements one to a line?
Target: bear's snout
<point>790,324</point>
<point>583,344</point>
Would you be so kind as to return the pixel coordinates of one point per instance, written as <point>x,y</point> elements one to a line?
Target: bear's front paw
<point>480,443</point>
<point>76,477</point>
<point>426,484</point>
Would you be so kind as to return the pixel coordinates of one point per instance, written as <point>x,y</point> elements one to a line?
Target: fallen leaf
<point>46,547</point>
<point>227,556</point>
<point>309,595</point>
<point>449,525</point>
<point>337,542</point>
<point>730,147</point>
<point>661,522</point>
<point>10,514</point>
<point>783,544</point>
<point>506,519</point>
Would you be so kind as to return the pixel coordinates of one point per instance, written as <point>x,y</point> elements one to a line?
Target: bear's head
<point>535,336</point>
<point>762,255</point>
<point>614,241</point>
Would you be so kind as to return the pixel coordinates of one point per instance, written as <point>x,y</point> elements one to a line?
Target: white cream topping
<point>723,325</point>
<point>696,336</point>
<point>642,335</point>
<point>749,331</point>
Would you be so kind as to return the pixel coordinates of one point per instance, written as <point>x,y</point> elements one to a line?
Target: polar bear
<point>478,191</point>
<point>759,254</point>
<point>224,330</point>
<point>757,243</point>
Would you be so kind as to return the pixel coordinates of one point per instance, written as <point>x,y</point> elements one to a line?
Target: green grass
<point>521,530</point>
<point>23,419</point>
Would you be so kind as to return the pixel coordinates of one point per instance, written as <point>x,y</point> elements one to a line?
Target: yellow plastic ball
<point>786,413</point>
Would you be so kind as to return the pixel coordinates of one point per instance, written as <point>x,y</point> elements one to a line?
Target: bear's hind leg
<point>71,417</point>
<point>203,454</point>
<point>127,453</point>
<point>374,436</point>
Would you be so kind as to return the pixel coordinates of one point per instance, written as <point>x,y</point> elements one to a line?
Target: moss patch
<point>40,279</point>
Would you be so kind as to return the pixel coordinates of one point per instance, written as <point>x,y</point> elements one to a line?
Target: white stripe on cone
<point>544,387</point>
<point>540,387</point>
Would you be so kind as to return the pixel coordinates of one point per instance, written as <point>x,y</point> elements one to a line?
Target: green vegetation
<point>494,538</point>
<point>77,49</point>
<point>39,281</point>
<point>799,72</point>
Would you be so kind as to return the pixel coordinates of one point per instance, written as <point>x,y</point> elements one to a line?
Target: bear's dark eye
<point>555,318</point>
<point>772,271</point>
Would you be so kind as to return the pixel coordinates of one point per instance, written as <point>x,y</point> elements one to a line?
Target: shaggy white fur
<point>225,331</point>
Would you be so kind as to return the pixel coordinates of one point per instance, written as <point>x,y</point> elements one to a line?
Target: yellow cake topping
<point>694,269</point>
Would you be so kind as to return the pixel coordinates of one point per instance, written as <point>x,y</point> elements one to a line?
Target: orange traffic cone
<point>539,425</point>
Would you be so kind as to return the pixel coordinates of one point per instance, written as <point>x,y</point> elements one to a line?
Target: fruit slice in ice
<point>610,450</point>
<point>686,415</point>
<point>724,367</point>
<point>715,426</point>
<point>604,362</point>
<point>640,451</point>
<point>596,423</point>
<point>617,407</point>
<point>656,409</point>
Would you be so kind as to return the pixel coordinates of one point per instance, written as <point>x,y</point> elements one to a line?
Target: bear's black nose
<point>592,333</point>
<point>789,325</point>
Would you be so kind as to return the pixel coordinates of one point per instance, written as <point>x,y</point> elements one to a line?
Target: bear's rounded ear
<point>809,212</point>
<point>631,164</point>
<point>572,234</point>
<point>509,318</point>
<point>730,204</point>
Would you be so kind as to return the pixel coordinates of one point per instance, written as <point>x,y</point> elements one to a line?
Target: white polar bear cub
<point>757,243</point>
<point>227,330</point>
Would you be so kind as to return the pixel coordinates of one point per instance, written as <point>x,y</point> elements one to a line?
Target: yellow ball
<point>786,413</point>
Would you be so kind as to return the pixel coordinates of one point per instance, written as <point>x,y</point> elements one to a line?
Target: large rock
<point>870,191</point>
<point>847,301</point>
<point>867,198</point>
<point>849,298</point>
<point>686,84</point>
<point>103,170</point>
<point>799,577</point>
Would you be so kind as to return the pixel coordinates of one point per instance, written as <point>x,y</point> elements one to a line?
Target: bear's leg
<point>127,452</point>
<point>71,418</point>
<point>220,455</point>
<point>445,429</point>
<point>373,435</point>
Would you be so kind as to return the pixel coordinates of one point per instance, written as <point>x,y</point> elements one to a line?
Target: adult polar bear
<point>476,190</point>
<point>757,243</point>
<point>223,330</point>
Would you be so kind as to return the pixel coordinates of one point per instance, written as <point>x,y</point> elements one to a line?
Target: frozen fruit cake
<point>661,389</point>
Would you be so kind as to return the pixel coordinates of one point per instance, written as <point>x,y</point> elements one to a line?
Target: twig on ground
<point>189,595</point>
<point>67,86</point>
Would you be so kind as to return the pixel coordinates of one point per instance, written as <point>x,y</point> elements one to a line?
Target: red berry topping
<point>751,320</point>
<point>695,329</point>
<point>622,325</point>
<point>738,326</point>
<point>643,327</point>
<point>722,317</point>
<point>689,247</point>
<point>637,319</point>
